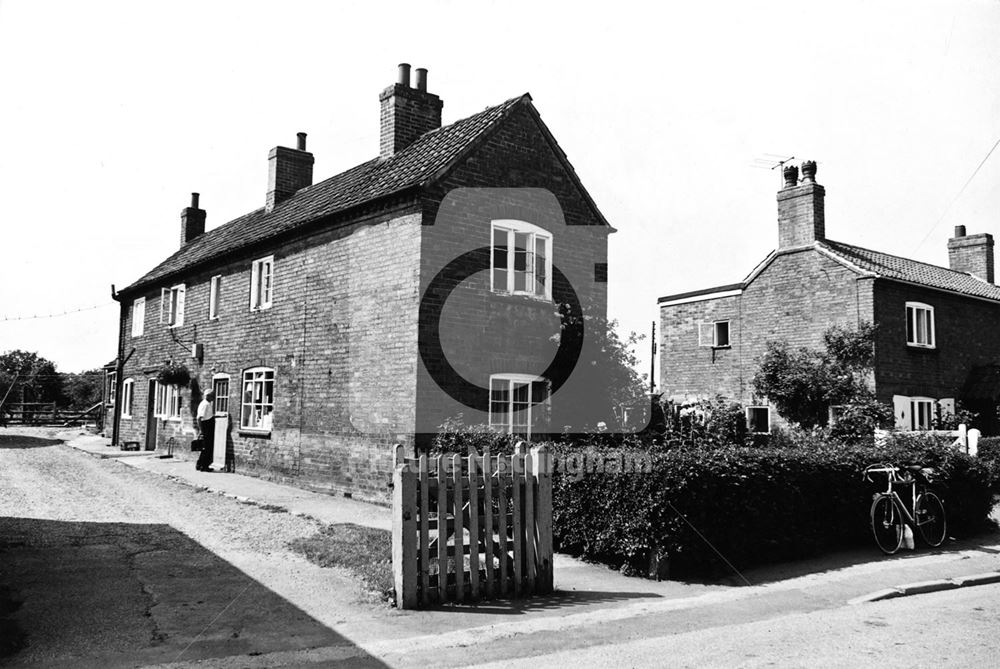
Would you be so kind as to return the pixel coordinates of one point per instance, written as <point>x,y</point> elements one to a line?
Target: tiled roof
<point>423,160</point>
<point>912,271</point>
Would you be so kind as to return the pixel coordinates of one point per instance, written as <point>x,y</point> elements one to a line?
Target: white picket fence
<point>471,527</point>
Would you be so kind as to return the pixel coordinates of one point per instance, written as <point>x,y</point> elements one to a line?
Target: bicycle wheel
<point>887,524</point>
<point>931,522</point>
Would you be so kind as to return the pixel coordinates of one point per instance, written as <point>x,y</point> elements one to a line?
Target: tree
<point>34,379</point>
<point>84,390</point>
<point>803,383</point>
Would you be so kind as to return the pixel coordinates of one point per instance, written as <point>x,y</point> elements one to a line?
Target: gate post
<point>404,536</point>
<point>542,469</point>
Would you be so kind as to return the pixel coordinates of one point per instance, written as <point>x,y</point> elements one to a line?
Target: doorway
<point>151,416</point>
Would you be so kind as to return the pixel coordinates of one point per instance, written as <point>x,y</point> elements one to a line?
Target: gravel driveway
<point>102,564</point>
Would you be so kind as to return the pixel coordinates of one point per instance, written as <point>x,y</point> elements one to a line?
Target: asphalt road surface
<point>102,565</point>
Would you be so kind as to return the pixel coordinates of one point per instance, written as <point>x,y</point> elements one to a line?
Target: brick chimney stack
<point>192,221</point>
<point>971,253</point>
<point>407,113</point>
<point>800,207</point>
<point>288,171</point>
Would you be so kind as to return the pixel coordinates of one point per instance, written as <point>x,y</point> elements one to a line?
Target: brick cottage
<point>365,310</point>
<point>936,330</point>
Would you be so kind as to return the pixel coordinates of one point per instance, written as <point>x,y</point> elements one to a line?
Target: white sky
<point>111,114</point>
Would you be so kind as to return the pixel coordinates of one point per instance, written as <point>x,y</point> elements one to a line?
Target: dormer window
<point>521,262</point>
<point>920,325</point>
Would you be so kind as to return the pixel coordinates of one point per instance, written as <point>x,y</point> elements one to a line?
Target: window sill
<point>523,298</point>
<point>258,434</point>
<point>920,347</point>
<point>720,348</point>
<point>262,308</point>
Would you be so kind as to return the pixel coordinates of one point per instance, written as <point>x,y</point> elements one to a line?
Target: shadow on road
<point>24,441</point>
<point>118,594</point>
<point>560,599</point>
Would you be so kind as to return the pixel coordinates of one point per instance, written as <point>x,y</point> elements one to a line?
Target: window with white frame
<point>920,413</point>
<point>519,404</point>
<point>111,379</point>
<point>214,290</point>
<point>172,305</point>
<point>521,261</point>
<point>714,334</point>
<point>759,419</point>
<point>920,325</point>
<point>128,394</point>
<point>258,399</point>
<point>220,387</point>
<point>167,402</point>
<point>261,283</point>
<point>138,316</point>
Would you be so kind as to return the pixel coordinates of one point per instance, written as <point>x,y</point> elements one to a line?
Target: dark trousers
<point>207,444</point>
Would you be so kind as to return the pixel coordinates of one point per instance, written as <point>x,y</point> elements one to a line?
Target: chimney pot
<point>404,74</point>
<point>809,171</point>
<point>422,79</point>
<point>791,174</point>
<point>301,145</point>
<point>194,200</point>
<point>959,230</point>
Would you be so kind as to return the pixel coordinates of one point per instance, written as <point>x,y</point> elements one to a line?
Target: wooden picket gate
<point>471,527</point>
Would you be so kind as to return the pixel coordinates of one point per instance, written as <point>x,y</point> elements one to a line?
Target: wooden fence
<point>45,413</point>
<point>471,527</point>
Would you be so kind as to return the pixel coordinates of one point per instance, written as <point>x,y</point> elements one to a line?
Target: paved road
<point>103,565</point>
<point>955,628</point>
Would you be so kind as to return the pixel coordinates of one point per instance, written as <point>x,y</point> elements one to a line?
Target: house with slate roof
<point>364,310</point>
<point>935,340</point>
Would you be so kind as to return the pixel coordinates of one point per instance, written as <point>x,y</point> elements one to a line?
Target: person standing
<point>206,427</point>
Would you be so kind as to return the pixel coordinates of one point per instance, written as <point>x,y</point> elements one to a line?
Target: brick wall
<point>340,336</point>
<point>483,332</point>
<point>796,298</point>
<point>965,332</point>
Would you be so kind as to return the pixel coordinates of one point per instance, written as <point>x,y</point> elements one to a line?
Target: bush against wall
<point>750,505</point>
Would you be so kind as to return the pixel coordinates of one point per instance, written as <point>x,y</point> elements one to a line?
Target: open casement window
<point>920,325</point>
<point>138,316</point>
<point>759,419</point>
<point>128,393</point>
<point>167,402</point>
<point>917,413</point>
<point>521,261</point>
<point>714,334</point>
<point>172,305</point>
<point>258,399</point>
<point>220,386</point>
<point>519,404</point>
<point>214,290</point>
<point>261,283</point>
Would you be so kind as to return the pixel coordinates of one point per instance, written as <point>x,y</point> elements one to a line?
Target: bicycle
<point>890,514</point>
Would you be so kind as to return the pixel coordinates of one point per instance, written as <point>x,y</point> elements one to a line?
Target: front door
<point>150,417</point>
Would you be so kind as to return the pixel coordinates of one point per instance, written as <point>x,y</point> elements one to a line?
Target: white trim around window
<point>214,290</point>
<point>261,283</point>
<point>519,403</point>
<point>167,402</point>
<point>138,316</point>
<point>714,334</point>
<point>521,259</point>
<point>920,325</point>
<point>257,403</point>
<point>172,306</point>
<point>759,419</point>
<point>128,396</point>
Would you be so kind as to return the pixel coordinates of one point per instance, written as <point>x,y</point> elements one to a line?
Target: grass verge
<point>366,552</point>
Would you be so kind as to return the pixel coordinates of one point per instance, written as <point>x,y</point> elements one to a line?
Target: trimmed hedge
<point>753,505</point>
